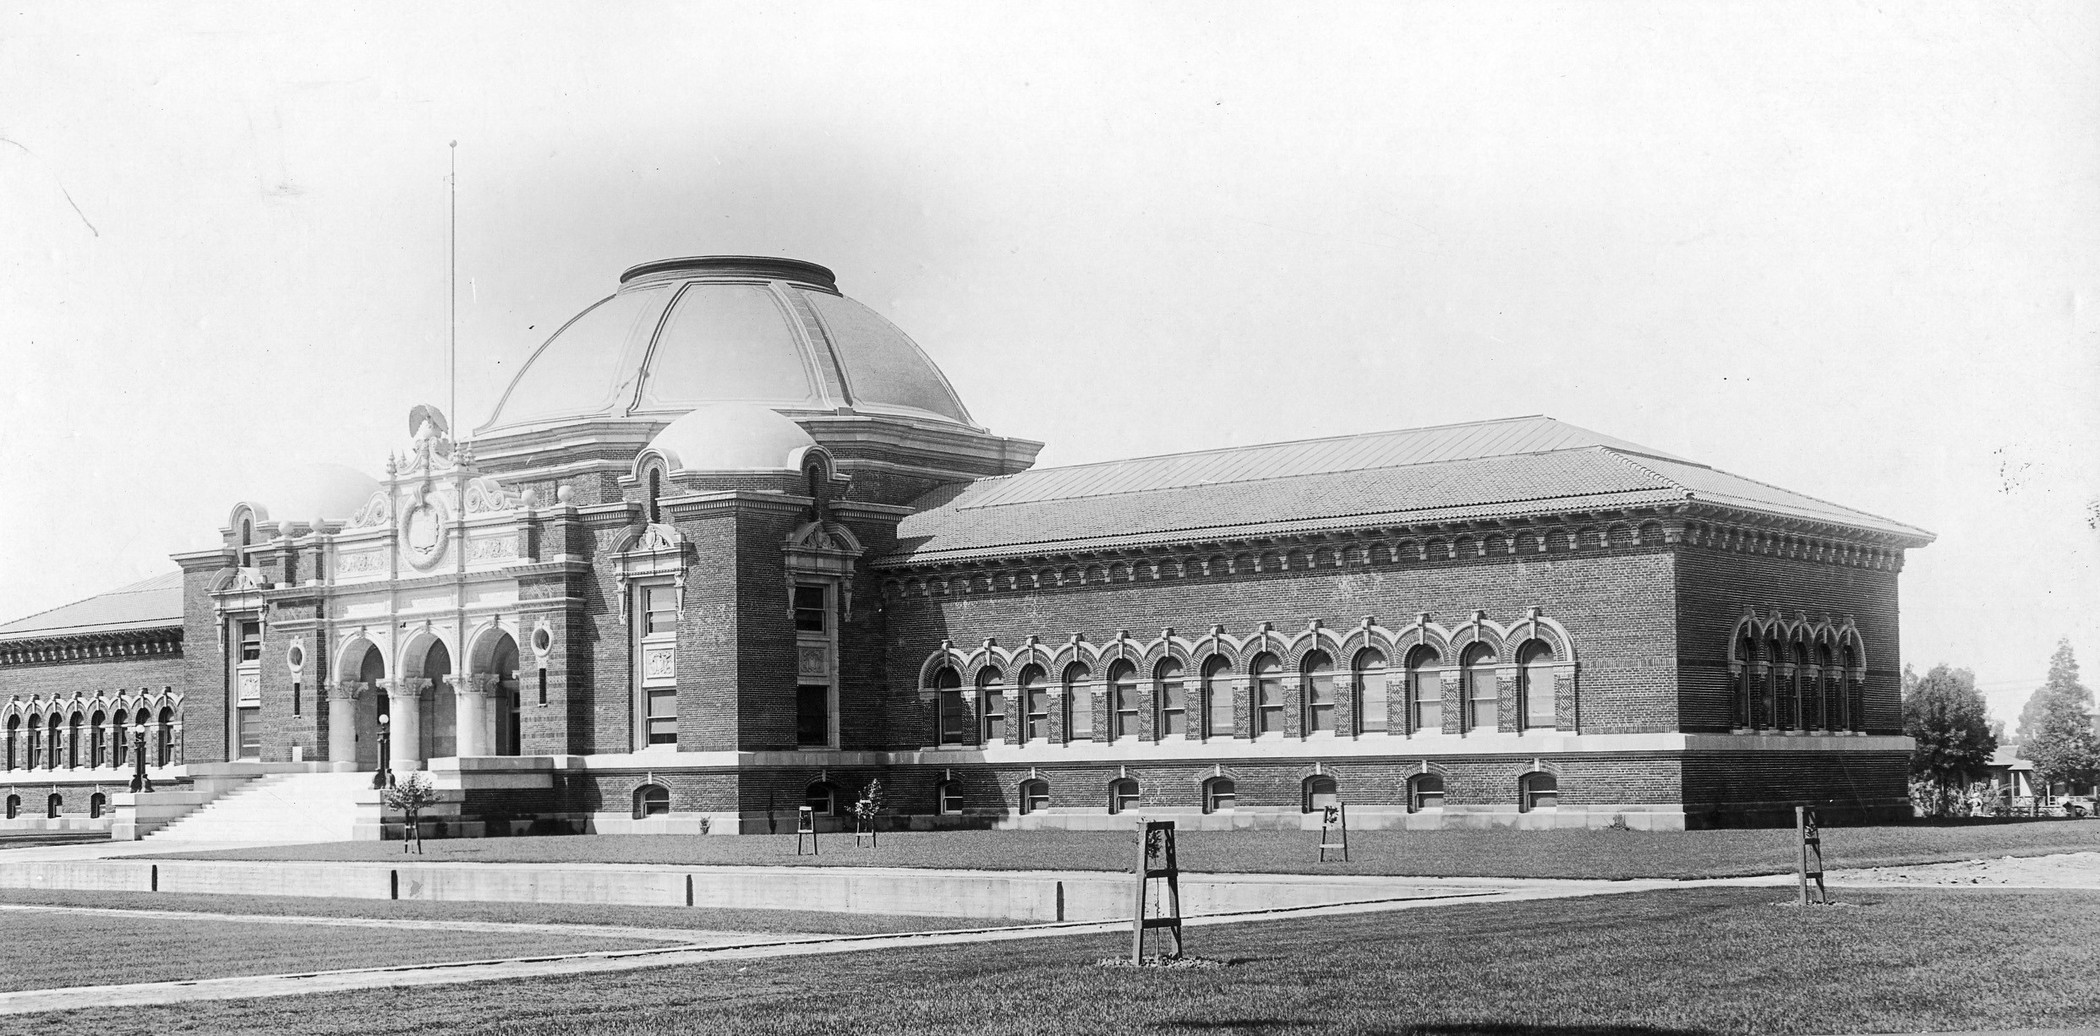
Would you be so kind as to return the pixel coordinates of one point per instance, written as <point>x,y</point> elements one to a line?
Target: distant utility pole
<point>452,290</point>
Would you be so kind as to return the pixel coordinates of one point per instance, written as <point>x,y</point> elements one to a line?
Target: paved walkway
<point>601,931</point>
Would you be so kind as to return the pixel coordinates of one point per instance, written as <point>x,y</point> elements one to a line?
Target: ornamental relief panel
<point>659,663</point>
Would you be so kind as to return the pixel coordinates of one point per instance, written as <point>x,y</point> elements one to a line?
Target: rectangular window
<point>295,697</point>
<point>1538,698</point>
<point>1038,712</point>
<point>1035,797</point>
<point>1079,714</point>
<point>810,611</point>
<point>1219,693</point>
<point>1371,701</point>
<point>1486,710</point>
<point>1173,710</point>
<point>1429,796</point>
<point>1268,705</point>
<point>251,641</point>
<point>1319,702</point>
<point>251,732</point>
<point>994,715</point>
<point>955,719</point>
<point>1126,718</point>
<point>660,610</point>
<point>543,685</point>
<point>812,716</point>
<point>1429,701</point>
<point>663,715</point>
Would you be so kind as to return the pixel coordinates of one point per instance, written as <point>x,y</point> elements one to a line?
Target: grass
<point>1684,961</point>
<point>693,918</point>
<point>53,950</point>
<point>1514,854</point>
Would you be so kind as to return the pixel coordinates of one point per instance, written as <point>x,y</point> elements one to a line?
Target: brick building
<point>730,544</point>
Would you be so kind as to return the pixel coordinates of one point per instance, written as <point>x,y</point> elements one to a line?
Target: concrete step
<point>289,807</point>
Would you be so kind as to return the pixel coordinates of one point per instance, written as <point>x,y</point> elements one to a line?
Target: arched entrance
<point>370,704</point>
<point>495,669</point>
<point>438,719</point>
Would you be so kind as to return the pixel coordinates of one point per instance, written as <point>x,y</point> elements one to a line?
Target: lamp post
<point>139,780</point>
<point>384,778</point>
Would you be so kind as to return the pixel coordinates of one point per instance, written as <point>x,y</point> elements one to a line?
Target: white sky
<point>1851,249</point>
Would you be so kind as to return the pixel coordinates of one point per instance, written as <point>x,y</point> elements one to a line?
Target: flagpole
<point>452,287</point>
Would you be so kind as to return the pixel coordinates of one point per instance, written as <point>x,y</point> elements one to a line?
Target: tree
<point>411,796</point>
<point>2056,726</point>
<point>1943,713</point>
<point>866,810</point>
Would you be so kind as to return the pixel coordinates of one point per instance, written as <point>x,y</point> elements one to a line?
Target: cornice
<point>148,642</point>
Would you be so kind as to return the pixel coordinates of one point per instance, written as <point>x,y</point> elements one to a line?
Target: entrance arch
<point>494,664</point>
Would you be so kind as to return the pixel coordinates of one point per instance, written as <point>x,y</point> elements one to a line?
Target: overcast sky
<point>1850,249</point>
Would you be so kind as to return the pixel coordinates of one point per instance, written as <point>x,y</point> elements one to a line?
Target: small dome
<point>731,437</point>
<point>304,492</point>
<point>683,333</point>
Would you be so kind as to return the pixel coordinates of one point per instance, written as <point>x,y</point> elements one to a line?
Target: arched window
<point>1079,702</point>
<point>1268,695</point>
<point>1855,693</point>
<point>1371,699</point>
<point>1035,702</point>
<point>36,742</point>
<point>74,725</point>
<point>54,742</point>
<point>96,803</point>
<point>1122,794</point>
<point>1319,693</point>
<point>1319,792</point>
<point>119,739</point>
<point>1745,684</point>
<point>14,736</point>
<point>1482,693</point>
<point>1122,700</point>
<point>165,732</point>
<point>1768,691</point>
<point>948,798</point>
<point>1035,796</point>
<point>1425,791</point>
<point>1172,695</point>
<point>1217,698</point>
<point>96,752</point>
<point>656,492</point>
<point>14,806</point>
<point>991,701</point>
<point>1219,794</point>
<point>1826,689</point>
<point>52,806</point>
<point>821,798</point>
<point>652,800</point>
<point>1535,685</point>
<point>1801,702</point>
<point>1537,791</point>
<point>955,718</point>
<point>1425,691</point>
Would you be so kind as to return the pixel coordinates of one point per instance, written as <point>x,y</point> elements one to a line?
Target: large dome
<point>683,333</point>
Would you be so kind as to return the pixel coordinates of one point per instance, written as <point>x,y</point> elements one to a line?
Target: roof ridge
<point>1628,459</point>
<point>1289,442</point>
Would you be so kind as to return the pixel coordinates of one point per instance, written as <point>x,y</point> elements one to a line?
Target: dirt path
<point>2062,871</point>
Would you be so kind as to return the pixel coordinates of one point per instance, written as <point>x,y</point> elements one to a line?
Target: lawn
<point>695,918</point>
<point>1515,854</point>
<point>1683,961</point>
<point>47,950</point>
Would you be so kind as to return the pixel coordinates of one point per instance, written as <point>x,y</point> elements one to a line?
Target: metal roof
<point>147,604</point>
<point>1525,465</point>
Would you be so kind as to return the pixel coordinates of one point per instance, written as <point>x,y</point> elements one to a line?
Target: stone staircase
<point>281,807</point>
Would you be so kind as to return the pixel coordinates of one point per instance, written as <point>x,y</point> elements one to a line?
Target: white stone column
<point>491,703</point>
<point>405,723</point>
<point>469,703</point>
<point>342,726</point>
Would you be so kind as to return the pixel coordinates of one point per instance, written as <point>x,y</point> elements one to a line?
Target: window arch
<point>1425,691</point>
<point>1425,791</point>
<point>1035,704</point>
<point>1481,690</point>
<point>1079,702</point>
<point>1536,791</point>
<point>1372,701</point>
<point>1035,795</point>
<point>948,797</point>
<point>1219,795</point>
<point>1318,672</point>
<point>991,704</point>
<point>1123,795</point>
<point>1537,696</point>
<point>1122,700</point>
<point>652,800</point>
<point>1217,697</point>
<point>822,798</point>
<point>1268,694</point>
<point>1171,696</point>
<point>1319,792</point>
<point>954,718</point>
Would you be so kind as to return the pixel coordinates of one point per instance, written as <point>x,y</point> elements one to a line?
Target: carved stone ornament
<point>822,552</point>
<point>652,551</point>
<point>484,495</point>
<point>375,512</point>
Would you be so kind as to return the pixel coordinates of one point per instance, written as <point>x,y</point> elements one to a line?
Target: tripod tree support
<point>1811,838</point>
<point>1334,831</point>
<point>1156,861</point>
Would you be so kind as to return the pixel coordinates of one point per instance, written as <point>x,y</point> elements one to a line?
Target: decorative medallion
<point>423,535</point>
